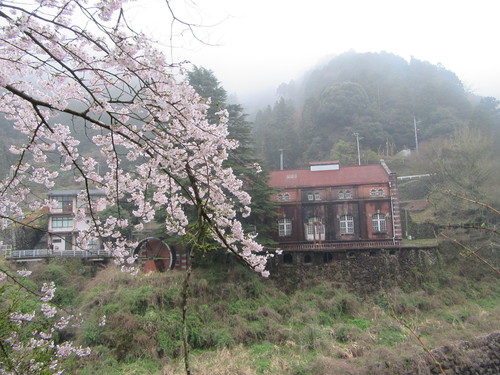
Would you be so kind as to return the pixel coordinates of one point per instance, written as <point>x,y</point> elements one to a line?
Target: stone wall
<point>362,270</point>
<point>479,356</point>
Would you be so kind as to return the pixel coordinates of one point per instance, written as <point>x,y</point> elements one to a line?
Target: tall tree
<point>242,160</point>
<point>79,63</point>
<point>275,133</point>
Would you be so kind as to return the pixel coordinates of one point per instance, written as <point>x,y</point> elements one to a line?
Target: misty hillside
<point>378,96</point>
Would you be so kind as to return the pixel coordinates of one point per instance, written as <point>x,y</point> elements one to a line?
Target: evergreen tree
<point>242,160</point>
<point>275,130</point>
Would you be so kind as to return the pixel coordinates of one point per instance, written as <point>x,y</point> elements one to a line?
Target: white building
<point>63,227</point>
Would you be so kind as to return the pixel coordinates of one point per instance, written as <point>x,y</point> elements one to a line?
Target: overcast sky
<point>262,43</point>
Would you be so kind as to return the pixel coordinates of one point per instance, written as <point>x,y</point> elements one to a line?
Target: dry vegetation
<point>242,324</point>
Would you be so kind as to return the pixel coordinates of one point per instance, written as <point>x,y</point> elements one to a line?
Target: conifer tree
<point>242,160</point>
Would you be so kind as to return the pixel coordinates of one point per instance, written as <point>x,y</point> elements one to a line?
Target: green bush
<point>390,336</point>
<point>346,333</point>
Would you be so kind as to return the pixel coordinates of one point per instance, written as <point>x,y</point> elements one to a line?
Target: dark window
<point>307,258</point>
<point>62,222</point>
<point>288,258</point>
<point>65,202</point>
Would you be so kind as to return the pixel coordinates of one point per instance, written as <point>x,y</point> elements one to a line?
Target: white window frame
<point>284,227</point>
<point>315,229</point>
<point>348,194</point>
<point>379,223</point>
<point>346,224</point>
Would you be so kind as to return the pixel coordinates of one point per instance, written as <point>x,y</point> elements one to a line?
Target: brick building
<point>330,208</point>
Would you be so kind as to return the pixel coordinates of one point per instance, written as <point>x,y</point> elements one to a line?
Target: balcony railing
<point>49,253</point>
<point>341,245</point>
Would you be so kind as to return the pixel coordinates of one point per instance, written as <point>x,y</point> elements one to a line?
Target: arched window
<point>379,223</point>
<point>327,257</point>
<point>380,192</point>
<point>341,194</point>
<point>286,196</point>
<point>315,230</point>
<point>373,193</point>
<point>348,194</point>
<point>317,196</point>
<point>346,224</point>
<point>284,227</point>
<point>280,197</point>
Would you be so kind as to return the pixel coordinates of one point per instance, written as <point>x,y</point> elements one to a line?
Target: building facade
<point>63,225</point>
<point>329,207</point>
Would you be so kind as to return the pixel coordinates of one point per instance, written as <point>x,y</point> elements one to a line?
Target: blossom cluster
<point>29,344</point>
<point>158,151</point>
<point>73,69</point>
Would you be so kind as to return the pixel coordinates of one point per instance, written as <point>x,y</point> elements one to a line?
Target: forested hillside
<point>381,97</point>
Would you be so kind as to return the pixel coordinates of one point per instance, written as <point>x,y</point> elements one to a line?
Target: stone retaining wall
<point>480,356</point>
<point>363,270</point>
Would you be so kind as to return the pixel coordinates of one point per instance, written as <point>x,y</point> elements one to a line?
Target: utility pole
<point>281,159</point>
<point>357,143</point>
<point>416,137</point>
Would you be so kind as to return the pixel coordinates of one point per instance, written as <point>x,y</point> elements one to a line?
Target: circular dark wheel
<point>155,255</point>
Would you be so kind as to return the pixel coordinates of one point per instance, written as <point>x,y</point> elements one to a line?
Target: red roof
<point>355,175</point>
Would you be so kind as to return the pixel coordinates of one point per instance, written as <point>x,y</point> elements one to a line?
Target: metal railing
<point>49,253</point>
<point>341,245</point>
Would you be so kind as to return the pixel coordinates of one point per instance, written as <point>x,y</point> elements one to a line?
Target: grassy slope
<point>242,324</point>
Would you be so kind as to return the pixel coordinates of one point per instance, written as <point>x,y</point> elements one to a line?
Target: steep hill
<point>380,96</point>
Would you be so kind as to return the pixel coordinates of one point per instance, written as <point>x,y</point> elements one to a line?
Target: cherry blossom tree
<point>30,322</point>
<point>77,66</point>
<point>71,64</point>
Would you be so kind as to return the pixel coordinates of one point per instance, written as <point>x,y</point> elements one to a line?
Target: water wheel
<point>155,255</point>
